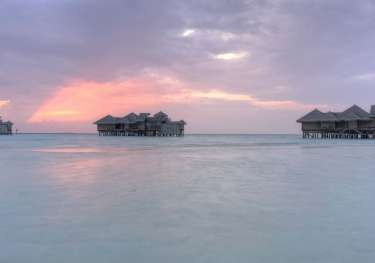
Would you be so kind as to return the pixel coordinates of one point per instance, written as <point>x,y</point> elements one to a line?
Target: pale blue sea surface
<point>201,198</point>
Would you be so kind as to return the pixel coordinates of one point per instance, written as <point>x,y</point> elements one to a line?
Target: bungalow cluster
<point>353,123</point>
<point>142,124</point>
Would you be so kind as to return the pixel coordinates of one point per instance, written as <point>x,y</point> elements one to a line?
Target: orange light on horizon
<point>84,101</point>
<point>4,103</point>
<point>218,95</point>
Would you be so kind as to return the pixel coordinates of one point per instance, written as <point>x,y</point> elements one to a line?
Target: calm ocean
<point>201,198</point>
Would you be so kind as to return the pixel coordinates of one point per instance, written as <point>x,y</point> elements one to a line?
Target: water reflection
<point>197,198</point>
<point>68,150</point>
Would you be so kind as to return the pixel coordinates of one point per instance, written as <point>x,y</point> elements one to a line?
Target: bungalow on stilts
<point>142,124</point>
<point>353,123</point>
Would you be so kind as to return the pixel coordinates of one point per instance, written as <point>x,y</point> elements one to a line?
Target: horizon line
<point>92,133</point>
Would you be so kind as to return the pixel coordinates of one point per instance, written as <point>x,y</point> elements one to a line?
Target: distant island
<point>142,124</point>
<point>6,127</point>
<point>353,123</point>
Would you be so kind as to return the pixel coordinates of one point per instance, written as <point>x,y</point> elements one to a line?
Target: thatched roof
<point>372,112</point>
<point>130,118</point>
<point>143,116</point>
<point>5,122</point>
<point>134,118</point>
<point>316,115</point>
<point>109,119</point>
<point>353,113</point>
<point>160,115</point>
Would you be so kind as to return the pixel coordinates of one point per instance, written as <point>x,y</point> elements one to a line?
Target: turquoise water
<point>201,198</point>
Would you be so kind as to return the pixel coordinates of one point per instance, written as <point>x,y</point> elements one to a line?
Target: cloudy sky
<point>241,66</point>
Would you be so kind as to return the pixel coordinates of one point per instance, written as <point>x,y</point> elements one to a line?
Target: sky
<point>229,66</point>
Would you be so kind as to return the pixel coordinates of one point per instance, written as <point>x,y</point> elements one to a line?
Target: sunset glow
<point>217,95</point>
<point>193,60</point>
<point>4,103</point>
<point>187,131</point>
<point>86,101</point>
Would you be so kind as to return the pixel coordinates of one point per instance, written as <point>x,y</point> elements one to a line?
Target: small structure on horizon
<point>353,123</point>
<point>142,124</point>
<point>5,127</point>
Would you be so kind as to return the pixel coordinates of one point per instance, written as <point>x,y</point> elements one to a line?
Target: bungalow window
<point>328,125</point>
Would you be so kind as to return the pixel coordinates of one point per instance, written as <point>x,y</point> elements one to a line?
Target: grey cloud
<point>312,47</point>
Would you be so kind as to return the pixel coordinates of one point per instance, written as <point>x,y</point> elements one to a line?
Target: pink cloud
<point>85,101</point>
<point>218,95</point>
<point>4,103</point>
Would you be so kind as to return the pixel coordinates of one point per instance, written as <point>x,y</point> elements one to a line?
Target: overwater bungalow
<point>5,127</point>
<point>142,124</point>
<point>353,123</point>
